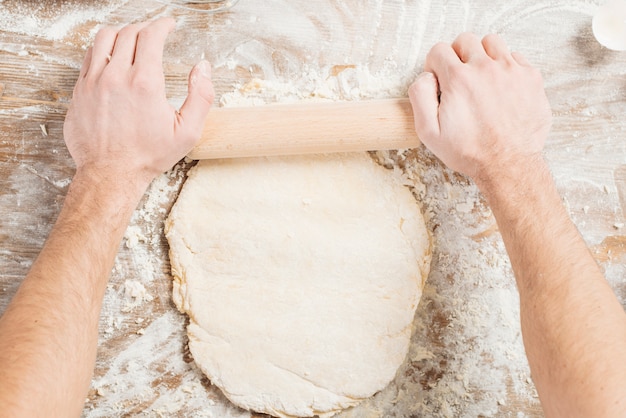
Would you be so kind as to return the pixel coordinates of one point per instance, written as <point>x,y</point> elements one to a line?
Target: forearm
<point>571,320</point>
<point>48,334</point>
<point>121,132</point>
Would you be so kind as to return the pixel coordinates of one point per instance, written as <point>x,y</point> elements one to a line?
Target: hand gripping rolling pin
<point>307,128</point>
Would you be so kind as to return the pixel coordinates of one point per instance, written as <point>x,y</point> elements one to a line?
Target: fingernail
<point>205,69</point>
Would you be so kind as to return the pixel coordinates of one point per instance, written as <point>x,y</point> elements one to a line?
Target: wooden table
<point>467,358</point>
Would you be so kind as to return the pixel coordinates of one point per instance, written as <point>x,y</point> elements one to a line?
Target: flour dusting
<point>53,22</point>
<point>466,357</point>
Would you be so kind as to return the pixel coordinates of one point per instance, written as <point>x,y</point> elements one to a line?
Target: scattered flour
<point>54,22</point>
<point>466,358</point>
<point>135,294</point>
<point>137,382</point>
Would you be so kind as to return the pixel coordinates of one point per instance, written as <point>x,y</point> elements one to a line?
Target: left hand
<point>119,124</point>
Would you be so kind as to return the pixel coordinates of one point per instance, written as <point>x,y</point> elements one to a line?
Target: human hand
<point>119,123</point>
<point>491,113</point>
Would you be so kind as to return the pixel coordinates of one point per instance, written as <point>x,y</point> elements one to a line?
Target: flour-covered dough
<point>300,276</point>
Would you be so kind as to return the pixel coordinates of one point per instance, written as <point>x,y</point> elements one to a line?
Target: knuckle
<point>106,32</point>
<point>148,33</point>
<point>465,37</point>
<point>209,96</point>
<point>438,50</point>
<point>128,31</point>
<point>147,30</point>
<point>459,73</point>
<point>109,79</point>
<point>491,38</point>
<point>144,82</point>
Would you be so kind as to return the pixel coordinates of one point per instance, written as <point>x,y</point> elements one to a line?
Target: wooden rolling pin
<point>307,128</point>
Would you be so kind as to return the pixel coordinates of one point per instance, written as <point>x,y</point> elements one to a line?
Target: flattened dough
<point>300,275</point>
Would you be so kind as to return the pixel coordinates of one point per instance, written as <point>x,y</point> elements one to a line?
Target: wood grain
<point>307,128</point>
<point>348,48</point>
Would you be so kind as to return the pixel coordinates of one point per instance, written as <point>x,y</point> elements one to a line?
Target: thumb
<point>200,95</point>
<point>423,94</point>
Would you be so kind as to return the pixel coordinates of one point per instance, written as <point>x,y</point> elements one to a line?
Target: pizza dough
<point>300,276</point>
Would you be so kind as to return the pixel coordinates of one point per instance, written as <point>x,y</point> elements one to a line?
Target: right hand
<point>479,107</point>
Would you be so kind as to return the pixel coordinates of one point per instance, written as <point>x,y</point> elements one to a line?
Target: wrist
<point>512,176</point>
<point>104,187</point>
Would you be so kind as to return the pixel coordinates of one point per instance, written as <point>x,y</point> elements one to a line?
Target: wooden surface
<point>466,357</point>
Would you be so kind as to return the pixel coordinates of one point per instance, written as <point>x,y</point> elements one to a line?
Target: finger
<point>468,47</point>
<point>102,48</point>
<point>424,96</point>
<point>199,100</point>
<point>439,59</point>
<point>496,48</point>
<point>125,44</point>
<point>84,69</point>
<point>521,60</point>
<point>150,42</point>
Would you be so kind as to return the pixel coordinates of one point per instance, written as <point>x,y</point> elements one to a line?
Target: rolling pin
<point>307,128</point>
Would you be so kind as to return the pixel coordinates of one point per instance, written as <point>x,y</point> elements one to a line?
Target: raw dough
<point>300,275</point>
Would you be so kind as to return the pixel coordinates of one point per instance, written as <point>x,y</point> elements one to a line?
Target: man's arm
<point>484,112</point>
<point>121,133</point>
